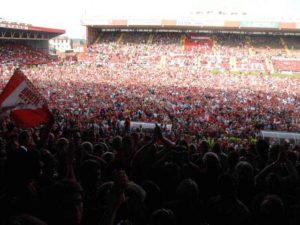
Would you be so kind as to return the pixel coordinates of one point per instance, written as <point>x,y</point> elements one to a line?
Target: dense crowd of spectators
<point>21,54</point>
<point>71,175</point>
<point>208,52</point>
<point>212,168</point>
<point>227,105</point>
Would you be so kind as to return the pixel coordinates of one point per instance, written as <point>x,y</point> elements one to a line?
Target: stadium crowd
<point>227,105</point>
<point>21,54</point>
<point>212,168</point>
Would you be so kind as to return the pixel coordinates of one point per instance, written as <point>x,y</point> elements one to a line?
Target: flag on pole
<point>27,107</point>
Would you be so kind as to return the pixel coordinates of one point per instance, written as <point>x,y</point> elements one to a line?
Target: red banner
<point>27,107</point>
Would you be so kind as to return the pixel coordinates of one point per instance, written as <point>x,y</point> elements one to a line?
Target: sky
<point>67,14</point>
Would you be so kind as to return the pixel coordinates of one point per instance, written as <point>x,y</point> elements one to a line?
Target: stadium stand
<point>234,52</point>
<point>206,162</point>
<point>23,44</point>
<point>18,54</point>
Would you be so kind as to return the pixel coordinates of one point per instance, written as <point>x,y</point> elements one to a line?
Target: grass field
<point>294,75</point>
<point>281,75</point>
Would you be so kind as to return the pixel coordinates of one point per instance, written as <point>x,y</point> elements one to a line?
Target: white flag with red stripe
<point>27,107</point>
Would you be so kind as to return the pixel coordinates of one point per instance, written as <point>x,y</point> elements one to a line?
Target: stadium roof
<point>210,25</point>
<point>47,30</point>
<point>201,16</point>
<point>11,30</point>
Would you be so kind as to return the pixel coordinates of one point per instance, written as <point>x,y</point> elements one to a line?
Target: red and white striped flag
<point>27,107</point>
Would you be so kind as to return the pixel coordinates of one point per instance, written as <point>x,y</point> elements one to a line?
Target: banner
<point>232,24</point>
<point>119,22</point>
<point>199,22</point>
<point>193,37</point>
<point>280,135</point>
<point>27,107</point>
<point>146,126</point>
<point>258,24</point>
<point>168,22</point>
<point>287,26</point>
<point>143,22</point>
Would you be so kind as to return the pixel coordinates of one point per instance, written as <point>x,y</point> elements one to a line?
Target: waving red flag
<point>27,107</point>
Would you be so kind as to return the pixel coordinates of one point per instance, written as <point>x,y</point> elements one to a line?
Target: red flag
<point>28,107</point>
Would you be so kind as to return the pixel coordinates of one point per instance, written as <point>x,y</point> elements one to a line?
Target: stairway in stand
<point>98,39</point>
<point>248,42</point>
<point>284,44</point>
<point>215,45</point>
<point>182,42</point>
<point>149,41</point>
<point>120,39</point>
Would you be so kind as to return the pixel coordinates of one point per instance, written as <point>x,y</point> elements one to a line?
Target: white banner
<point>146,126</point>
<point>200,38</point>
<point>280,135</point>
